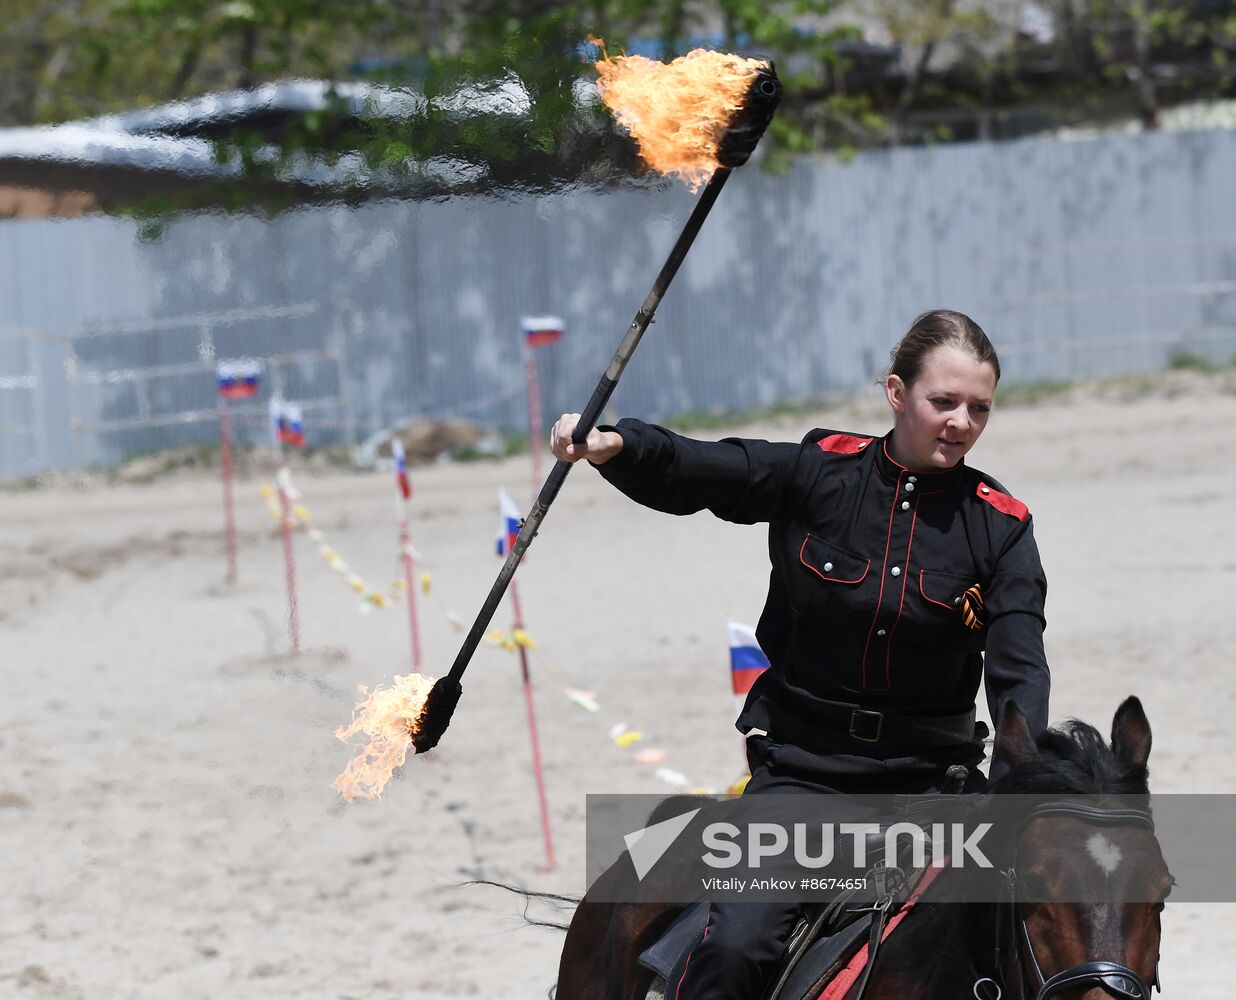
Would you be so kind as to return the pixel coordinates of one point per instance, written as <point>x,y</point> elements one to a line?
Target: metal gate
<point>137,382</point>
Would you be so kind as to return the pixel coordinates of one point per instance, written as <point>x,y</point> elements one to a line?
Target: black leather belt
<point>869,725</point>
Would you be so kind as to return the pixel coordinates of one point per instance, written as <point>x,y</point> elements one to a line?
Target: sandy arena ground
<point>167,823</point>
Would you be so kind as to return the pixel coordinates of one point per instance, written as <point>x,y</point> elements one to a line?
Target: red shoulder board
<point>844,444</point>
<point>1003,502</point>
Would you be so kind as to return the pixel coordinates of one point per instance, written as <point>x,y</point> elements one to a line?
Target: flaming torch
<point>698,117</point>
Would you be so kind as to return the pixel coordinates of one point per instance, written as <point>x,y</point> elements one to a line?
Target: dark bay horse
<point>1025,946</point>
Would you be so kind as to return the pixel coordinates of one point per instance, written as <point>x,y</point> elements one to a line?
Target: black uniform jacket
<point>870,564</point>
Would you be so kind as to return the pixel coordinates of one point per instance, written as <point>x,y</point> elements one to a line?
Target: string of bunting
<point>301,518</point>
<point>747,662</point>
<point>625,737</point>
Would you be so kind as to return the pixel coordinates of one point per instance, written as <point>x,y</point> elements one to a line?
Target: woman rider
<point>901,577</point>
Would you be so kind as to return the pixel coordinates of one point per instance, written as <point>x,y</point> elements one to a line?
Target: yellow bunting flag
<point>510,641</point>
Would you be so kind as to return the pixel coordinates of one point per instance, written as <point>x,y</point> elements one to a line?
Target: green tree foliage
<point>71,58</point>
<point>952,69</point>
<point>1140,55</point>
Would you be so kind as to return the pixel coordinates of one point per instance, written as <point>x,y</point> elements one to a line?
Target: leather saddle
<point>822,943</point>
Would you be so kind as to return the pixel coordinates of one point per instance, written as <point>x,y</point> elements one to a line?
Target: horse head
<point>1086,880</point>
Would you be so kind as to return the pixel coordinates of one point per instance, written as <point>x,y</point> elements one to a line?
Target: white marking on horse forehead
<point>1106,854</point>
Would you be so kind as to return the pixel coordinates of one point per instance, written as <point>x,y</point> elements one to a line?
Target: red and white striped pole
<point>404,497</point>
<point>225,465</point>
<point>538,771</point>
<point>538,331</point>
<point>283,481</point>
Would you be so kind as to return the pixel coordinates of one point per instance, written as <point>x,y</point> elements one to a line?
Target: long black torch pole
<point>436,714</point>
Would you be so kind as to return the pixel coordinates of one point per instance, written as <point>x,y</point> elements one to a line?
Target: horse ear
<point>1131,733</point>
<point>1014,742</point>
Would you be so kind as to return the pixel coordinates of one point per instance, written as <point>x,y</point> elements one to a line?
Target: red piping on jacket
<point>831,579</point>
<point>707,928</point>
<point>949,607</point>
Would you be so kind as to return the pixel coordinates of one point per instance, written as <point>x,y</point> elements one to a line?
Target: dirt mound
<point>424,440</point>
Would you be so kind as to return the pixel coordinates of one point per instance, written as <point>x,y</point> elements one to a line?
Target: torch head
<point>749,122</point>
<point>436,714</point>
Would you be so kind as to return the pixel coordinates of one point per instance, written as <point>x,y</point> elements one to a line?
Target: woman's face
<point>940,417</point>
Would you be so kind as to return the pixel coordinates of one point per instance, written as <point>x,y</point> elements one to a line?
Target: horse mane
<point>1073,759</point>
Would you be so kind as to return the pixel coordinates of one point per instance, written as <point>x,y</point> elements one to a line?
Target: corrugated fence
<point>1086,258</point>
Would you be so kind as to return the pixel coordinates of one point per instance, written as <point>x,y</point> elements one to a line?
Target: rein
<point>1115,978</point>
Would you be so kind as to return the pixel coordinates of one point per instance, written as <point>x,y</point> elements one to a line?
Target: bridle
<point>1115,978</point>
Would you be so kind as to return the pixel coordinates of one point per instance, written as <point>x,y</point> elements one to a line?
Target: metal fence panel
<point>1084,258</point>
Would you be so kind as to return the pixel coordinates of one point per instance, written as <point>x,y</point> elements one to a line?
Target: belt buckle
<point>861,721</point>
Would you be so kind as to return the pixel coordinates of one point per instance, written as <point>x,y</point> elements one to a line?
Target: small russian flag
<point>542,330</point>
<point>508,530</point>
<point>289,423</point>
<point>292,429</point>
<point>401,468</point>
<point>239,379</point>
<point>747,660</point>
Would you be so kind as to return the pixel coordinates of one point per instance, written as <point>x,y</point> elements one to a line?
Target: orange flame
<point>386,716</point>
<point>678,111</point>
